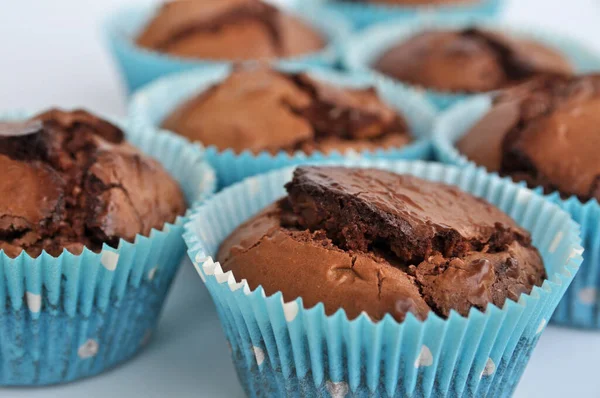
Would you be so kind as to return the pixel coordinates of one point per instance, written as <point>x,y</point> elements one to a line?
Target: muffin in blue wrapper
<point>580,306</point>
<point>73,316</point>
<point>140,66</point>
<point>151,105</point>
<point>363,14</point>
<point>283,349</point>
<point>363,49</point>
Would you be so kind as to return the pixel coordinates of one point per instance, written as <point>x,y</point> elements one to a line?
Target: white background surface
<point>52,53</point>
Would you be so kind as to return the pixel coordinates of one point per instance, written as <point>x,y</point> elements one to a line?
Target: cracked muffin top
<point>260,109</point>
<point>228,30</point>
<point>70,180</point>
<point>372,241</point>
<point>469,60</point>
<point>543,132</point>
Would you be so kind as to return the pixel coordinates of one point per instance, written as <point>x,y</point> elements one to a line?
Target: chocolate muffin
<point>260,109</point>
<point>70,180</point>
<point>228,30</point>
<point>470,60</point>
<point>372,241</point>
<point>545,133</point>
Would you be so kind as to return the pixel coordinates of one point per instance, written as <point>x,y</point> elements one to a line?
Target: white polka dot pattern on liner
<point>34,301</point>
<point>588,295</point>
<point>89,349</point>
<point>523,196</point>
<point>109,260</point>
<point>152,273</point>
<point>555,242</point>
<point>208,181</point>
<point>259,354</point>
<point>490,368</point>
<point>541,326</point>
<point>290,310</point>
<point>425,358</point>
<point>254,186</point>
<point>337,389</point>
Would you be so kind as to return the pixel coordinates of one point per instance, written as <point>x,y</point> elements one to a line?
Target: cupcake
<point>539,132</point>
<point>242,112</point>
<point>383,281</point>
<point>413,246</point>
<point>228,30</point>
<point>542,133</point>
<point>364,13</point>
<point>255,118</point>
<point>451,60</point>
<point>190,33</point>
<point>78,184</point>
<point>468,60</point>
<point>90,225</point>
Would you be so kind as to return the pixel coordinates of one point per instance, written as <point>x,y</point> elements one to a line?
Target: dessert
<point>260,109</point>
<point>70,180</point>
<point>372,241</point>
<point>228,30</point>
<point>469,60</point>
<point>543,132</point>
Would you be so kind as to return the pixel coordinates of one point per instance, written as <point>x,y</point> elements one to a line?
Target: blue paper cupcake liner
<point>361,50</point>
<point>363,14</point>
<point>140,66</point>
<point>581,305</point>
<point>283,349</point>
<point>154,103</point>
<point>73,316</point>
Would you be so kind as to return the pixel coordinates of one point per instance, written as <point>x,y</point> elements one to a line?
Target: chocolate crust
<point>228,30</point>
<point>470,60</point>
<point>544,133</point>
<point>373,241</point>
<point>243,112</point>
<point>71,181</point>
